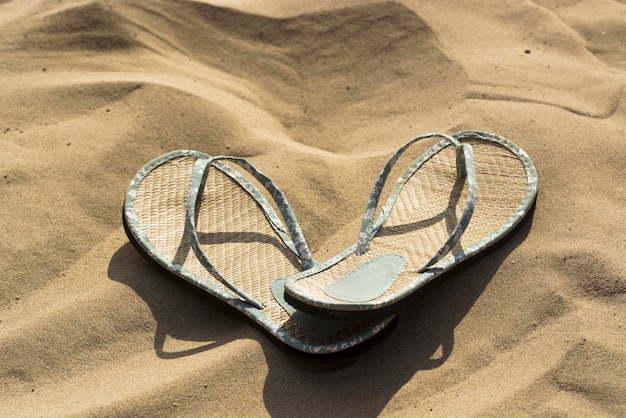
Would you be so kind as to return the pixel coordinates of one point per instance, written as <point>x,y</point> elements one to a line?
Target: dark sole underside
<point>349,355</point>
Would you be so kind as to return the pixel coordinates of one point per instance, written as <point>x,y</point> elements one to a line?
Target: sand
<point>318,95</point>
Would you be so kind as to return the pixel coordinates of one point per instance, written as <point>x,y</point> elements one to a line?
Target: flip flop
<point>198,219</point>
<point>460,197</point>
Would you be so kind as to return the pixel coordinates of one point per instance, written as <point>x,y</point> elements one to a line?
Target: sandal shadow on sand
<point>462,196</point>
<point>200,220</point>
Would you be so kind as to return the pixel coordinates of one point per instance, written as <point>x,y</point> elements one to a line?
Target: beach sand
<point>318,95</point>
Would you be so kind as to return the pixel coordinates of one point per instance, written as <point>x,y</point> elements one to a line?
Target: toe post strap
<point>196,188</point>
<point>470,204</point>
<point>194,197</point>
<point>464,168</point>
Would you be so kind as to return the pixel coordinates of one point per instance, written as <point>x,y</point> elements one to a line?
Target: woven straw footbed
<point>233,231</point>
<point>428,208</point>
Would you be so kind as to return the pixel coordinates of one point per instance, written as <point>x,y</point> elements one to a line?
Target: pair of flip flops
<point>205,220</point>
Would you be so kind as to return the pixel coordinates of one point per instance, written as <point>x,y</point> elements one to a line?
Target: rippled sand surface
<point>318,95</point>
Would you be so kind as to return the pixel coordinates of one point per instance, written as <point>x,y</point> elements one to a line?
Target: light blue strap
<point>196,189</point>
<point>465,169</point>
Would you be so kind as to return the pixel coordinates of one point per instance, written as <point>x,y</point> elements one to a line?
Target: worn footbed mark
<point>368,281</point>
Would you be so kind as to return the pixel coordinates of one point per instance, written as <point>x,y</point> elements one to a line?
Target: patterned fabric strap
<point>472,190</point>
<point>196,189</point>
<point>465,169</point>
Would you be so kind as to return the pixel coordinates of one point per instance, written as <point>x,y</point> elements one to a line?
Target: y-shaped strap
<point>470,204</point>
<point>465,169</point>
<point>196,189</point>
